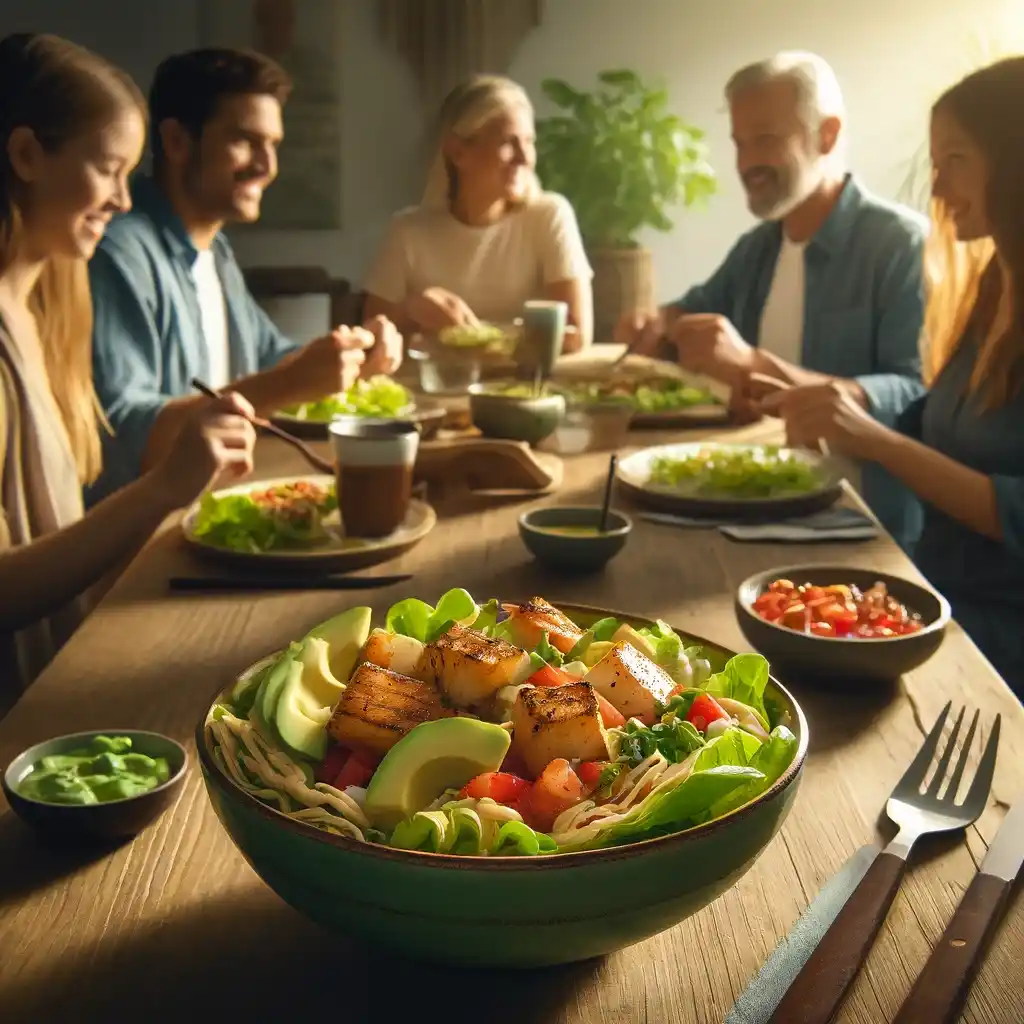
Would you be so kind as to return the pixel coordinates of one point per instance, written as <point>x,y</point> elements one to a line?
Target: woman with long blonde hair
<point>485,238</point>
<point>71,129</point>
<point>961,447</point>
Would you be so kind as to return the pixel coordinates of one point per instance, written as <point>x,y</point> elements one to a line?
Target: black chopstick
<point>241,584</point>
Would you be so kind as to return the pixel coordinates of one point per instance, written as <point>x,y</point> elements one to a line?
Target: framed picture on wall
<point>304,38</point>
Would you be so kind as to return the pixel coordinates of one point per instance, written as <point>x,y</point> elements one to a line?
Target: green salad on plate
<point>739,472</point>
<point>499,729</point>
<point>278,517</point>
<point>379,397</point>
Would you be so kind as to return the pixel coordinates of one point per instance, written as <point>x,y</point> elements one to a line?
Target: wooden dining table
<point>175,926</point>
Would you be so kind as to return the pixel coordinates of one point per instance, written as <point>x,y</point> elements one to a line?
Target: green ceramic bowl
<point>515,417</point>
<point>116,820</point>
<point>573,552</point>
<point>506,911</point>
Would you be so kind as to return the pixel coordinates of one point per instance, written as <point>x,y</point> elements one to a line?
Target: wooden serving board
<point>487,467</point>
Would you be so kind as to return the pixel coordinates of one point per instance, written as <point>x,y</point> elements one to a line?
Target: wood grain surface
<point>175,925</point>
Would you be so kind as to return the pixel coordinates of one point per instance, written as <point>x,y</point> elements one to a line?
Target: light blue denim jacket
<point>147,329</point>
<point>863,314</point>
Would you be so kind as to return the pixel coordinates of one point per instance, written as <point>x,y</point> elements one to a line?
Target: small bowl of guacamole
<point>570,538</point>
<point>96,785</point>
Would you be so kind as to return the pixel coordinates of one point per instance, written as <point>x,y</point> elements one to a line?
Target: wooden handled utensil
<point>816,993</point>
<point>942,987</point>
<point>320,464</point>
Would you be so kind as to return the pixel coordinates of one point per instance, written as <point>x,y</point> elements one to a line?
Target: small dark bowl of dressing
<point>98,786</point>
<point>570,538</point>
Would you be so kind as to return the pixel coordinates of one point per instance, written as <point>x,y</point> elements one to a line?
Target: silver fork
<point>818,989</point>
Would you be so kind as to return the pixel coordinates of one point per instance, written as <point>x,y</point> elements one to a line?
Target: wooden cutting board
<point>487,467</point>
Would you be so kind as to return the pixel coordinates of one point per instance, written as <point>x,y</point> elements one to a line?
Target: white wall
<point>892,56</point>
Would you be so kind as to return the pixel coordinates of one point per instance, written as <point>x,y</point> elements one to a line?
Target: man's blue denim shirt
<point>147,330</point>
<point>863,315</point>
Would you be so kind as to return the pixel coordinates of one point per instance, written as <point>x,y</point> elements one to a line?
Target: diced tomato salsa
<point>837,610</point>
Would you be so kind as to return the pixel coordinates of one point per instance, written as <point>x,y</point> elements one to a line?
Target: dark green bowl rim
<point>618,531</point>
<point>791,572</point>
<point>214,776</point>
<point>8,783</point>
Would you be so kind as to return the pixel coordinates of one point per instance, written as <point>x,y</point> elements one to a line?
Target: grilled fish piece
<point>402,654</point>
<point>471,667</point>
<point>557,721</point>
<point>631,682</point>
<point>528,622</point>
<point>379,707</point>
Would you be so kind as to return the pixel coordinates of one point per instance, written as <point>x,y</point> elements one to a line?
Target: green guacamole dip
<point>104,770</point>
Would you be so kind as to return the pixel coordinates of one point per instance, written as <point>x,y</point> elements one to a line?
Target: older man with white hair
<point>827,290</point>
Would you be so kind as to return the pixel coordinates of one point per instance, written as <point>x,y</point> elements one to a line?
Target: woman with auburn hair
<point>71,129</point>
<point>485,238</point>
<point>961,447</point>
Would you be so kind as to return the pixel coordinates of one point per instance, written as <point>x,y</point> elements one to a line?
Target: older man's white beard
<point>803,187</point>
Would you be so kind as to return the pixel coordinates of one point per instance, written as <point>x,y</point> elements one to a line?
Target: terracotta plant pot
<point>623,281</point>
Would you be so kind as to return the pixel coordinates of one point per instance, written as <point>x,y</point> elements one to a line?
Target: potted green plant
<point>623,160</point>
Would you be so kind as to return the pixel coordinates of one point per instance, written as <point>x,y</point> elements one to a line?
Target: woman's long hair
<point>59,90</point>
<point>465,110</point>
<point>966,280</point>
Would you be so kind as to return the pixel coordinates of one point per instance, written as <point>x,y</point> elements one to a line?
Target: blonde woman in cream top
<point>485,238</point>
<point>71,129</point>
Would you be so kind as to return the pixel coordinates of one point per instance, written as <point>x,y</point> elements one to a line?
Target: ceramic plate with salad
<point>656,401</point>
<point>379,398</point>
<point>502,729</point>
<point>731,479</point>
<point>292,522</point>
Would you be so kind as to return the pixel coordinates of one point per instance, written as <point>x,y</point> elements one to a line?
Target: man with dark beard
<point>828,289</point>
<point>169,298</point>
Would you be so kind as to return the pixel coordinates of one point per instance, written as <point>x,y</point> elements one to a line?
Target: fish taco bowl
<point>501,785</point>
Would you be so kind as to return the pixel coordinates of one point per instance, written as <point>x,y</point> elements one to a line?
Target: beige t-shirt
<point>493,269</point>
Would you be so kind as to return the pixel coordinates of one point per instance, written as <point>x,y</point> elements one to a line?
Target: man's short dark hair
<point>189,86</point>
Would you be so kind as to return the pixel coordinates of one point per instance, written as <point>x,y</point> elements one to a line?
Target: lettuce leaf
<point>666,642</point>
<point>744,679</point>
<point>545,654</point>
<point>734,747</point>
<point>677,807</point>
<point>771,759</point>
<point>415,618</point>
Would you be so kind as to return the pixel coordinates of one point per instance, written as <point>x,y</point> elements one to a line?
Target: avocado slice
<point>300,722</point>
<point>430,758</point>
<point>270,691</point>
<point>243,693</point>
<point>322,688</point>
<point>596,651</point>
<point>345,635</point>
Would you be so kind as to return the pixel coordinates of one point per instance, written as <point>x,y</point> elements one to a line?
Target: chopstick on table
<point>316,461</point>
<point>242,584</point>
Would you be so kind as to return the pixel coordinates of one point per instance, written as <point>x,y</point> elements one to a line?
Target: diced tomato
<point>822,629</point>
<point>550,676</point>
<point>357,771</point>
<point>610,714</point>
<point>557,789</point>
<point>590,772</point>
<point>332,764</point>
<point>812,593</point>
<point>704,710</point>
<point>770,604</point>
<point>502,787</point>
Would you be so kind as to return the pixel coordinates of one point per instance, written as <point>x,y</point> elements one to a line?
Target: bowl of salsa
<point>104,785</point>
<point>841,623</point>
<point>570,538</point>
